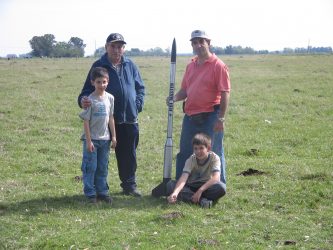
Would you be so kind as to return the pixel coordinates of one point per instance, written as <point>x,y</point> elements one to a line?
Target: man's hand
<point>218,126</point>
<point>168,100</point>
<point>85,102</point>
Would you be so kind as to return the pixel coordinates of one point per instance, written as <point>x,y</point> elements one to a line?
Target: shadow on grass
<point>79,202</point>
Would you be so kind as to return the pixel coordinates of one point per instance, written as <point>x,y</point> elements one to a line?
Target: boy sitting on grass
<point>200,181</point>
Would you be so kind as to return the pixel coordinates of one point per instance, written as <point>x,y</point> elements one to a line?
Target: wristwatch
<point>221,119</point>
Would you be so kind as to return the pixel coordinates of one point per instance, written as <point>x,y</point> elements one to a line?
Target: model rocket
<point>160,190</point>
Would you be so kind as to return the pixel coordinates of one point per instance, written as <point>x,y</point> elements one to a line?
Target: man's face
<point>200,46</point>
<point>115,50</point>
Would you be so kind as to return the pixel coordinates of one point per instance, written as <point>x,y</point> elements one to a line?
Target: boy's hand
<point>172,198</point>
<point>90,147</point>
<point>196,197</point>
<point>113,143</point>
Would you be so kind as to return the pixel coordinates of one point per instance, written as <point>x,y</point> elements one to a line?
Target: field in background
<point>280,122</point>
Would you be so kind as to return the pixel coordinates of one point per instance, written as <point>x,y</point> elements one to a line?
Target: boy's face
<point>100,83</point>
<point>201,151</point>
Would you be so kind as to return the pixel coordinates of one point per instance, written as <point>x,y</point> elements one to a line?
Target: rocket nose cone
<point>173,51</point>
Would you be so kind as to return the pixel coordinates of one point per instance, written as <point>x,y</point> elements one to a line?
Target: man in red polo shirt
<point>206,89</point>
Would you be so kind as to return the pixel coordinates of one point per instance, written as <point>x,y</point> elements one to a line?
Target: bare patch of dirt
<point>172,215</point>
<point>78,178</point>
<point>209,242</point>
<point>251,171</point>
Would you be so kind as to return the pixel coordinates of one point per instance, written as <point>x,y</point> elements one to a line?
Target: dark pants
<point>127,142</point>
<point>213,193</point>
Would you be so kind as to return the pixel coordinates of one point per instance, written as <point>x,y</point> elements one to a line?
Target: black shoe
<point>106,199</point>
<point>205,203</point>
<point>92,200</point>
<point>134,193</point>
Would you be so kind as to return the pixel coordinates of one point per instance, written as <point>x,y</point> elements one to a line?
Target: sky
<point>145,24</point>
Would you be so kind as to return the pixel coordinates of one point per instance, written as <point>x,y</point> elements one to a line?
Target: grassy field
<point>280,122</point>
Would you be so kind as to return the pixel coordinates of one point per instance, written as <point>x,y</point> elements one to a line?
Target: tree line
<point>229,50</point>
<point>309,49</point>
<point>232,50</point>
<point>47,46</point>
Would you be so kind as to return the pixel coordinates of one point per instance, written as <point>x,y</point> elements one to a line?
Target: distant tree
<point>288,51</point>
<point>229,50</point>
<point>217,50</point>
<point>42,45</point>
<point>75,52</point>
<point>262,52</point>
<point>301,50</point>
<point>248,50</point>
<point>158,51</point>
<point>47,46</point>
<point>76,42</point>
<point>320,49</point>
<point>133,52</point>
<point>61,49</point>
<point>76,46</point>
<point>236,49</point>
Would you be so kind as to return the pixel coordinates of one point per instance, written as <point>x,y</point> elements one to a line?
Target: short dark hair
<point>202,139</point>
<point>99,72</point>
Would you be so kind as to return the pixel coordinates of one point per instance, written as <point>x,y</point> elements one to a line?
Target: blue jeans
<point>95,168</point>
<point>189,129</point>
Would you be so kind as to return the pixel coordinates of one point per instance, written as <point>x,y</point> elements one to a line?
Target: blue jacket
<point>127,88</point>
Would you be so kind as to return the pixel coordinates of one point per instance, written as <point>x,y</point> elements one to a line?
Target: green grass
<point>280,105</point>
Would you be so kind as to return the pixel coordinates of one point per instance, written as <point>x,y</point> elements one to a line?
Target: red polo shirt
<point>204,83</point>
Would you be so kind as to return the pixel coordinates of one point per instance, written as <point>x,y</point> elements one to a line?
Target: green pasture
<point>280,122</point>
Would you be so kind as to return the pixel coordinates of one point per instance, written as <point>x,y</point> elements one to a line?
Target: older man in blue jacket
<point>128,89</point>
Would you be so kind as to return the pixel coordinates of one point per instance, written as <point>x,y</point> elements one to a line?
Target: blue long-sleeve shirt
<point>127,87</point>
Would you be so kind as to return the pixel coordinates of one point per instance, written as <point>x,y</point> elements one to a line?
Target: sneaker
<point>106,199</point>
<point>205,203</point>
<point>92,200</point>
<point>134,193</point>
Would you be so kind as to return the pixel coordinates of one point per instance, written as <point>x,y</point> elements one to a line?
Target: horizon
<point>182,53</point>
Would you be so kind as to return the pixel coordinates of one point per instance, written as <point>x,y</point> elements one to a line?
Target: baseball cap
<point>199,34</point>
<point>115,37</point>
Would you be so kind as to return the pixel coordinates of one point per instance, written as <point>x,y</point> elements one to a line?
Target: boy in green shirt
<point>200,181</point>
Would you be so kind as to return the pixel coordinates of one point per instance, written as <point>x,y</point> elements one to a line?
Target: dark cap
<point>115,37</point>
